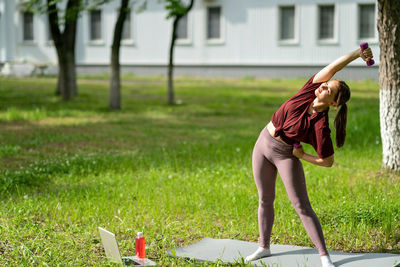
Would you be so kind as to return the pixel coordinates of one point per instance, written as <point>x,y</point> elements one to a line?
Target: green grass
<point>178,173</point>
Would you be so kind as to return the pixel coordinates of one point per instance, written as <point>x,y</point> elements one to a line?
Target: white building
<point>261,38</point>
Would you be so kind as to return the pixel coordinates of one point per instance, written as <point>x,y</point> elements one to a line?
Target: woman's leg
<point>264,173</point>
<point>292,174</point>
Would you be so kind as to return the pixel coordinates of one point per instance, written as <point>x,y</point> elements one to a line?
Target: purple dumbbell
<point>363,47</point>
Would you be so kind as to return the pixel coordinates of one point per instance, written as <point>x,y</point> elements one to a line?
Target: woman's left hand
<point>298,152</point>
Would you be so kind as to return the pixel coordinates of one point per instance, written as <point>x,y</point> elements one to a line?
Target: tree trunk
<point>115,80</point>
<point>115,83</point>
<point>62,75</point>
<point>65,46</point>
<point>171,97</point>
<point>67,74</point>
<point>389,81</point>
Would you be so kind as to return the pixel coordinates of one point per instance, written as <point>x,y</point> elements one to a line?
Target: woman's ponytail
<point>341,118</point>
<point>340,125</point>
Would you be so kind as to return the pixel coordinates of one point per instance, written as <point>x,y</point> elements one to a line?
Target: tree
<point>115,80</point>
<point>65,46</point>
<point>176,10</point>
<point>115,77</point>
<point>389,81</point>
<point>64,40</point>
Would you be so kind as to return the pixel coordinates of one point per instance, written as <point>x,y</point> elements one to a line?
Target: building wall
<point>249,36</point>
<point>3,21</point>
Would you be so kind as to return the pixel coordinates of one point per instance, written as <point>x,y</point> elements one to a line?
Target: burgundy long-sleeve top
<point>294,124</point>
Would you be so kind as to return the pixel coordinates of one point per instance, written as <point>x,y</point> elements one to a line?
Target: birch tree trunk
<point>389,81</point>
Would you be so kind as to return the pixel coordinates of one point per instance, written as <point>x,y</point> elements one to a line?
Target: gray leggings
<point>270,156</point>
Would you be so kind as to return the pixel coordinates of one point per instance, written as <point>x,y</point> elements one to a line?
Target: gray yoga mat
<point>231,251</point>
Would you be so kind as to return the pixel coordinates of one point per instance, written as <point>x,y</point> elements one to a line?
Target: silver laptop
<point>112,251</point>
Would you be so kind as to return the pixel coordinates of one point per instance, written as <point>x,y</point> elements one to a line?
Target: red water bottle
<point>140,246</point>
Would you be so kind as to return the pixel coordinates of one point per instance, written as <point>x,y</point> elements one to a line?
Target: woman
<point>302,118</point>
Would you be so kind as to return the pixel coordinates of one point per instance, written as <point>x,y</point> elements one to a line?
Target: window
<point>27,18</point>
<point>95,25</point>
<point>214,23</point>
<point>127,29</point>
<point>366,21</point>
<point>326,22</point>
<point>182,28</point>
<point>286,23</point>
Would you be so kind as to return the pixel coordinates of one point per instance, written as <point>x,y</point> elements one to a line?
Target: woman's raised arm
<point>327,73</point>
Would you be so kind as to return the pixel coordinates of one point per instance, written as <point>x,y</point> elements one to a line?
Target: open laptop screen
<point>110,245</point>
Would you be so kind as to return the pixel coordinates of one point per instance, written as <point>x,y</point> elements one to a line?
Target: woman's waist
<point>271,129</point>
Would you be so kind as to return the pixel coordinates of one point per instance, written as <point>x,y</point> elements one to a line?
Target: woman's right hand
<point>298,152</point>
<point>366,54</point>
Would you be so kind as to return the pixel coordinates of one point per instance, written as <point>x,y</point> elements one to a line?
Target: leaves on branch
<point>176,8</point>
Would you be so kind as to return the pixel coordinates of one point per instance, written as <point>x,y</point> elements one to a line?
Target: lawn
<point>177,173</point>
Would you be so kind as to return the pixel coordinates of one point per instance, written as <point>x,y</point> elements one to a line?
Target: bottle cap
<point>139,234</point>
